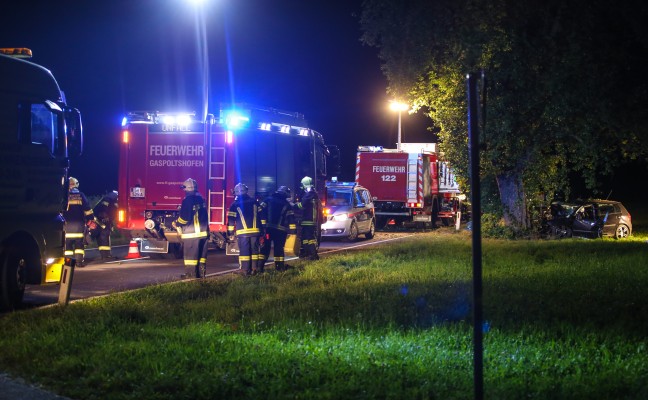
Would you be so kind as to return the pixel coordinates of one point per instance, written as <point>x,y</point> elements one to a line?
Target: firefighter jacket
<point>193,221</point>
<point>279,213</point>
<point>105,212</point>
<point>77,213</point>
<point>309,206</point>
<point>245,217</point>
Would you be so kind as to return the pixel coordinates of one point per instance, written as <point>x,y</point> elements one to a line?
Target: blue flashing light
<point>124,121</point>
<point>235,120</point>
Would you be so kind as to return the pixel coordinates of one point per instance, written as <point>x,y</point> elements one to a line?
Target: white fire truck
<point>38,134</point>
<point>262,147</point>
<point>411,185</point>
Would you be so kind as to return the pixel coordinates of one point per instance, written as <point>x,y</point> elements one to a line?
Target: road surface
<point>102,278</point>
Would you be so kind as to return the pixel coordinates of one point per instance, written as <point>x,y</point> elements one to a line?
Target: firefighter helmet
<point>240,188</point>
<point>307,182</point>
<point>190,185</point>
<point>111,195</point>
<point>284,191</point>
<point>74,183</point>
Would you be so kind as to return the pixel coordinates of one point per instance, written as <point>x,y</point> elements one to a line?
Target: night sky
<point>129,55</point>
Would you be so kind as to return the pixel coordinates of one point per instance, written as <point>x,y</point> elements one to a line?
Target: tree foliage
<point>564,82</point>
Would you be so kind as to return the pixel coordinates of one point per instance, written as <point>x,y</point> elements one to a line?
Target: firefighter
<point>279,223</point>
<point>193,226</point>
<point>245,221</point>
<point>77,213</point>
<point>105,213</point>
<point>309,204</point>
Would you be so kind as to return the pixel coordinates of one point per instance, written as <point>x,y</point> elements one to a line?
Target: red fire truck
<point>411,185</point>
<point>262,147</point>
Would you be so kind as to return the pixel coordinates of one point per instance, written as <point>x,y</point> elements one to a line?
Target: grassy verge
<point>566,319</point>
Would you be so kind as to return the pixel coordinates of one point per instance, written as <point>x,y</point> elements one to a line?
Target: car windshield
<point>564,210</point>
<point>338,198</point>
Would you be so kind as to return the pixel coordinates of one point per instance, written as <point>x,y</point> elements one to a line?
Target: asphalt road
<point>102,278</point>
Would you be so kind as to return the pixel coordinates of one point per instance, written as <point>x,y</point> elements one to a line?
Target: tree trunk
<point>513,199</point>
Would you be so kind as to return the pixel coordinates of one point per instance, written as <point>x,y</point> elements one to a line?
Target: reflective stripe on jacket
<point>245,217</point>
<point>193,220</point>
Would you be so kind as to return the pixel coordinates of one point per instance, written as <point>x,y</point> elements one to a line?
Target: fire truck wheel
<point>372,230</point>
<point>353,232</point>
<point>13,270</point>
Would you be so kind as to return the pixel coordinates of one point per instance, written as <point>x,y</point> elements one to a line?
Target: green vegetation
<point>567,319</point>
<point>562,111</point>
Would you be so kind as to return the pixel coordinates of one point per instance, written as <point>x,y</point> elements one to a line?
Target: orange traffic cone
<point>133,250</point>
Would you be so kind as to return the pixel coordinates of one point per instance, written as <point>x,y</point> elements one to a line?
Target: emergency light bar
<point>18,52</point>
<point>156,117</point>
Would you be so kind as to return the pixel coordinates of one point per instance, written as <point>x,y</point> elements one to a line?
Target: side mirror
<point>74,132</point>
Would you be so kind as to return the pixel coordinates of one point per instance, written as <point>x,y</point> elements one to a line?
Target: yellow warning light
<point>18,52</point>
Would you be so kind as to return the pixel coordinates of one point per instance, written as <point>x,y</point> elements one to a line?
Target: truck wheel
<point>353,232</point>
<point>13,270</point>
<point>372,230</point>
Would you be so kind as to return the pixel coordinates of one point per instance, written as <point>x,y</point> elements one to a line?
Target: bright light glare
<point>340,217</point>
<point>398,106</point>
<point>184,120</point>
<point>168,119</point>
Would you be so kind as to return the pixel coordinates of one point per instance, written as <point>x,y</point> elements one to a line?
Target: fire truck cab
<point>261,147</point>
<point>38,135</point>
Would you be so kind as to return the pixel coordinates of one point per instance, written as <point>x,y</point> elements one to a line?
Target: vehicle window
<point>588,212</point>
<point>358,198</point>
<point>365,197</point>
<point>337,198</point>
<point>605,210</point>
<point>44,127</point>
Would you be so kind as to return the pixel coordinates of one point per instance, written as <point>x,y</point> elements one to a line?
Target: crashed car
<point>589,219</point>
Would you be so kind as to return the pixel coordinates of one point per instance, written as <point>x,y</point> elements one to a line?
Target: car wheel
<point>13,270</point>
<point>621,232</point>
<point>372,230</point>
<point>353,232</point>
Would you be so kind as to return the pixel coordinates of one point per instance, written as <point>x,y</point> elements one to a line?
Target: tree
<point>565,87</point>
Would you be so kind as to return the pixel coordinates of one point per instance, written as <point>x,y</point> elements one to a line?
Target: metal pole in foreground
<point>475,190</point>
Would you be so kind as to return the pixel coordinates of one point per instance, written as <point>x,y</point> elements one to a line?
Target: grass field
<point>565,320</point>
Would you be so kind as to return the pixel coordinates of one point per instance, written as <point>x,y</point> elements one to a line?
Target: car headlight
<point>340,217</point>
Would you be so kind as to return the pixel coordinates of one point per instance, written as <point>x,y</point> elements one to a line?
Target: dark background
<point>298,55</point>
<point>117,56</point>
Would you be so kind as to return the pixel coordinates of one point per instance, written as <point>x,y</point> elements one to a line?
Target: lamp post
<point>400,107</point>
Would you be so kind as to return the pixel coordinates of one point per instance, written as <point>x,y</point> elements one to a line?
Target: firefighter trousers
<point>195,257</point>
<point>102,236</point>
<point>277,238</point>
<point>309,243</point>
<point>249,252</point>
<point>75,249</point>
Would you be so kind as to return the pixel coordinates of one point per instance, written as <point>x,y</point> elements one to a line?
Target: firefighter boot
<point>80,262</point>
<point>105,255</point>
<point>261,266</point>
<point>279,266</point>
<point>190,273</point>
<point>201,270</point>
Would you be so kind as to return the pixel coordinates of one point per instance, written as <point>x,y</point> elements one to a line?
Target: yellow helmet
<point>306,182</point>
<point>74,183</point>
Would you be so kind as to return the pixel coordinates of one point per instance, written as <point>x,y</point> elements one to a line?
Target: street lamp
<point>400,107</point>
<point>202,56</point>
